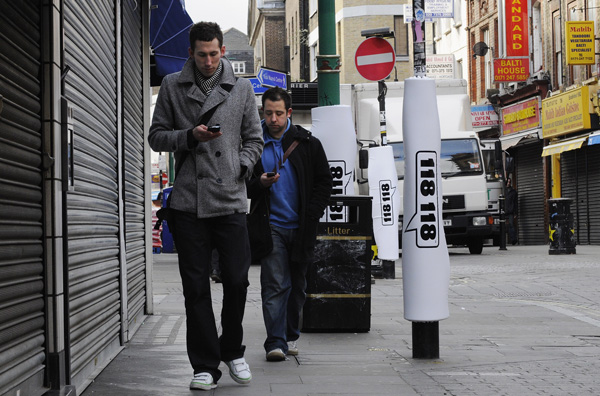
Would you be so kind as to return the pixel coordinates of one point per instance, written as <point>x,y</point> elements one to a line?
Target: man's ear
<point>190,52</point>
<point>289,113</point>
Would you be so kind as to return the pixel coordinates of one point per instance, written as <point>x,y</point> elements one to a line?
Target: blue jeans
<point>283,290</point>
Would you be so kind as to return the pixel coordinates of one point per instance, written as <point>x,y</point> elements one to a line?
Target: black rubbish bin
<point>338,293</point>
<point>562,234</point>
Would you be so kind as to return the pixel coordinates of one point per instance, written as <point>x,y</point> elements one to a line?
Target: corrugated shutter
<point>92,203</point>
<point>530,190</point>
<point>22,319</point>
<point>580,181</point>
<point>133,131</point>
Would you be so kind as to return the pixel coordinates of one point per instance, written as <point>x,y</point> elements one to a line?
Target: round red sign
<point>375,58</point>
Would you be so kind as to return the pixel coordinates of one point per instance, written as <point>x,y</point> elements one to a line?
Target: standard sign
<point>375,59</point>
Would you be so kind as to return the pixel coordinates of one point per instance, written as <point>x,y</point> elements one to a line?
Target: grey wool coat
<point>211,181</point>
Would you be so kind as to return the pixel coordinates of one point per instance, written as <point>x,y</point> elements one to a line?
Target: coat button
<point>219,180</point>
<point>199,177</point>
<point>218,153</point>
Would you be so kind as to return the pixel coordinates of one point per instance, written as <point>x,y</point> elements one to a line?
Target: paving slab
<point>522,322</point>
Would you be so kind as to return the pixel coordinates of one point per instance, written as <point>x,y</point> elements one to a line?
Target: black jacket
<point>315,182</point>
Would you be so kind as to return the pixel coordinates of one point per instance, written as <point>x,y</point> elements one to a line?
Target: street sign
<point>257,86</point>
<point>272,78</point>
<point>375,58</point>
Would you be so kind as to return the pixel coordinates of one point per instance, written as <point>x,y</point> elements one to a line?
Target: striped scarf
<point>206,84</point>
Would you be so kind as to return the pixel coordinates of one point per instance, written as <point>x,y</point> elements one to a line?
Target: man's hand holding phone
<point>203,133</point>
<point>268,178</point>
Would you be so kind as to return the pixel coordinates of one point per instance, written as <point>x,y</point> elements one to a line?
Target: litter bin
<point>338,293</point>
<point>168,246</point>
<point>562,234</point>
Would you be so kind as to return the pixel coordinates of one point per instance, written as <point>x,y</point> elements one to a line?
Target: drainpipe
<point>328,62</point>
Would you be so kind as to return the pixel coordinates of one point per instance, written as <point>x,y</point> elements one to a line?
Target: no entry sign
<point>375,58</point>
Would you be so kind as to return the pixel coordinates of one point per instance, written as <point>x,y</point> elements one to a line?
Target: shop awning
<point>514,139</point>
<point>169,35</point>
<point>594,138</point>
<point>567,145</point>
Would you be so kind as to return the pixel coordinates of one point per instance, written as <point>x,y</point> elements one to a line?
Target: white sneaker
<point>275,355</point>
<point>292,348</point>
<point>239,371</point>
<point>203,381</point>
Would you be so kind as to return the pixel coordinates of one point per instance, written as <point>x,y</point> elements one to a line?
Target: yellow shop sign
<point>566,112</point>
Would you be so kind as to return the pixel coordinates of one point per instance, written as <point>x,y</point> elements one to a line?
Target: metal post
<point>501,209</point>
<point>426,340</point>
<point>388,266</point>
<point>328,62</point>
<point>418,25</point>
<point>425,335</point>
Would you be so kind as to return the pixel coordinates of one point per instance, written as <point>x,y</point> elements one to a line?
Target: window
<point>239,67</point>
<point>458,157</point>
<point>401,33</point>
<point>592,9</point>
<point>557,47</point>
<point>487,63</point>
<point>578,72</point>
<point>537,37</point>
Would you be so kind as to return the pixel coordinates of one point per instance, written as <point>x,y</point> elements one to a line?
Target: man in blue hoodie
<point>289,189</point>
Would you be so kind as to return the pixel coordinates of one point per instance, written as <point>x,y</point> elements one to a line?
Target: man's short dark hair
<point>205,31</point>
<point>274,94</point>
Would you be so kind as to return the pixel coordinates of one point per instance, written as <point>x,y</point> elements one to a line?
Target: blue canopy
<point>169,35</point>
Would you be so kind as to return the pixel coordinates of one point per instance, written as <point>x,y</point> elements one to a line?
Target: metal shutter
<point>133,131</point>
<point>530,190</point>
<point>22,319</point>
<point>581,182</point>
<point>94,300</point>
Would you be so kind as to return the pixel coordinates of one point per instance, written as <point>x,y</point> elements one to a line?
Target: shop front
<point>570,128</point>
<point>522,141</point>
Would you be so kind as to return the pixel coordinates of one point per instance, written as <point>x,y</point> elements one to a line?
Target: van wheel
<point>475,246</point>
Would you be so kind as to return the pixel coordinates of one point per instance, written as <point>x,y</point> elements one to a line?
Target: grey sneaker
<point>292,348</point>
<point>239,371</point>
<point>275,355</point>
<point>203,381</point>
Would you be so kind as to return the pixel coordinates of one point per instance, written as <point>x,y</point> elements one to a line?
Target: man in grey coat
<point>208,201</point>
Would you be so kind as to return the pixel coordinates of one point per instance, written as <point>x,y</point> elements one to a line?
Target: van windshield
<point>459,157</point>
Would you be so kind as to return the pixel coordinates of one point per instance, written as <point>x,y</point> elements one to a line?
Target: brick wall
<point>275,40</point>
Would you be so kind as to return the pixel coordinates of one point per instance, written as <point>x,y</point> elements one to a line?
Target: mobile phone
<point>214,128</point>
<point>270,174</point>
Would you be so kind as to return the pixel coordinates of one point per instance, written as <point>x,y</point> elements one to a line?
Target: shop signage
<point>566,112</point>
<point>484,116</point>
<point>440,66</point>
<point>580,42</point>
<point>521,116</point>
<point>517,36</point>
<point>511,69</point>
<point>439,9</point>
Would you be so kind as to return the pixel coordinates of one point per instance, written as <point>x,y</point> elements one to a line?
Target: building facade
<point>542,112</point>
<point>239,52</point>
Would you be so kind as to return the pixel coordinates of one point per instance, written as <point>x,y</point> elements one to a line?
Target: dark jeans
<point>194,239</point>
<point>512,228</point>
<point>283,291</point>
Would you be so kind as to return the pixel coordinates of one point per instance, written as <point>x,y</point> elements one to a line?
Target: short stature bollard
<point>388,269</point>
<point>426,340</point>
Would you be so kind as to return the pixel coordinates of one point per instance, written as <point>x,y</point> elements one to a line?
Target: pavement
<point>522,322</point>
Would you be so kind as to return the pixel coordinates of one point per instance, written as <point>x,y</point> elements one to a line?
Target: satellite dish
<point>480,49</point>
